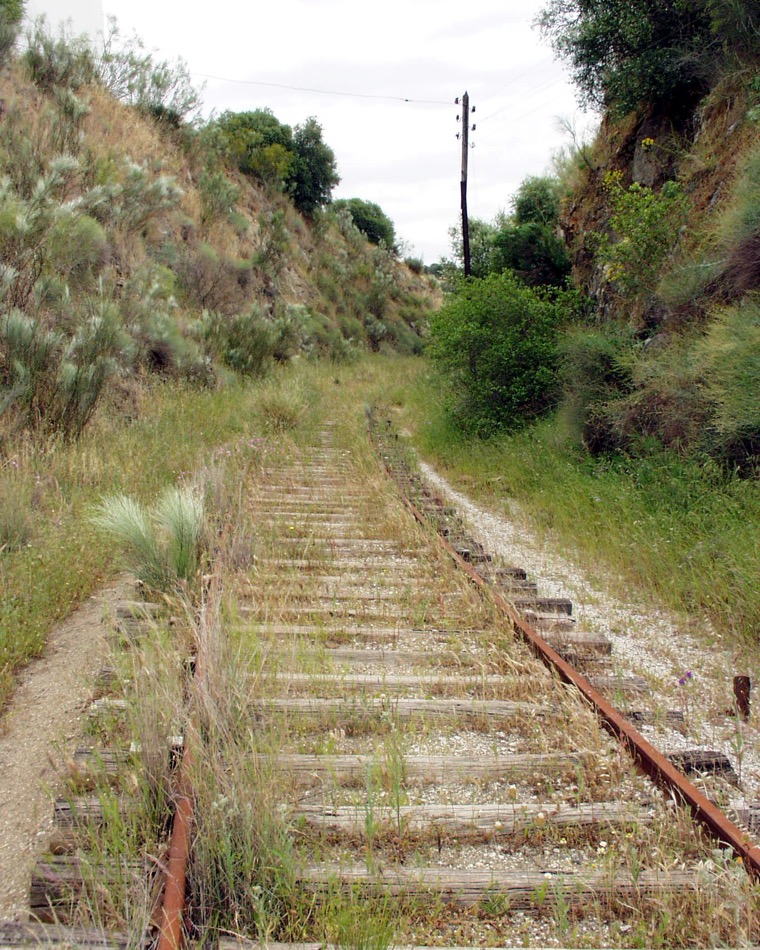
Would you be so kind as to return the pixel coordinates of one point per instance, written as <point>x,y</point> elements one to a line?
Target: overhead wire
<point>325,92</point>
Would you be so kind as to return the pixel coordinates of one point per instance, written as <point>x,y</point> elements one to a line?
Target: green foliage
<point>741,219</point>
<point>315,172</point>
<point>63,61</point>
<point>536,201</point>
<point>295,160</point>
<point>218,196</point>
<point>533,252</point>
<point>647,224</point>
<point>595,370</point>
<point>624,53</point>
<point>482,234</point>
<point>728,365</point>
<point>245,342</point>
<point>258,143</point>
<point>52,379</point>
<point>161,89</point>
<point>76,247</point>
<point>162,545</point>
<point>496,343</point>
<point>12,10</point>
<point>370,219</point>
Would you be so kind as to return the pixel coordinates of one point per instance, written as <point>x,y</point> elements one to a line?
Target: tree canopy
<point>370,219</point>
<point>297,160</point>
<point>623,53</point>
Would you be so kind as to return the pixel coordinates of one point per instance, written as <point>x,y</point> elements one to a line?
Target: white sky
<point>402,155</point>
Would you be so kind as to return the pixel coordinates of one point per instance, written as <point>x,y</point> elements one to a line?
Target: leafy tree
<point>496,344</point>
<point>370,219</point>
<point>534,252</point>
<point>298,161</point>
<point>315,171</point>
<point>537,201</point>
<point>623,53</point>
<point>259,144</point>
<point>482,234</point>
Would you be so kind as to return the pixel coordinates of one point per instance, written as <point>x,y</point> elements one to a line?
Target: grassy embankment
<point>54,557</point>
<point>670,530</point>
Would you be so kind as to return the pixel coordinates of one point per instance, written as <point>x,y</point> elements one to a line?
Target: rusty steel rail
<point>662,772</point>
<point>171,915</point>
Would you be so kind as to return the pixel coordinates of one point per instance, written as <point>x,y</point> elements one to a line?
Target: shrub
<point>65,60</point>
<point>533,252</point>
<point>11,12</point>
<point>76,246</point>
<point>370,219</point>
<point>596,369</point>
<point>56,381</point>
<point>245,342</point>
<point>728,364</point>
<point>161,89</point>
<point>536,201</point>
<point>218,196</point>
<point>496,343</point>
<point>623,53</point>
<point>213,281</point>
<point>647,224</point>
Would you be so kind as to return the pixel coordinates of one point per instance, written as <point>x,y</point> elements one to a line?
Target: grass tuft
<point>161,544</point>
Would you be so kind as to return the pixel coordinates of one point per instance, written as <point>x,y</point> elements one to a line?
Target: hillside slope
<point>130,246</point>
<point>663,221</point>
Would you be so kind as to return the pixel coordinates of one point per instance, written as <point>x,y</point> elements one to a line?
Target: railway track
<point>373,756</point>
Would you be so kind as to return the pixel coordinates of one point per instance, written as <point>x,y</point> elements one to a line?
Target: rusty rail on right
<point>662,772</point>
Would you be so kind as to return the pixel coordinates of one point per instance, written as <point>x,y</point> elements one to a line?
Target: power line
<point>514,79</point>
<point>326,92</point>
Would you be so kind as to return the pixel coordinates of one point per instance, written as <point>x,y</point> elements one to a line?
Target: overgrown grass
<point>65,556</point>
<point>677,531</point>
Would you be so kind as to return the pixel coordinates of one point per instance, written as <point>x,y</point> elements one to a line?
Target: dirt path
<point>44,719</point>
<point>685,669</point>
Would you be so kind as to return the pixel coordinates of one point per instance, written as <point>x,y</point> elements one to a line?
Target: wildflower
<point>647,144</point>
<point>540,819</point>
<point>512,792</point>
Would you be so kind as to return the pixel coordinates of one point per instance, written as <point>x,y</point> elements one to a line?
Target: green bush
<point>647,225</point>
<point>728,364</point>
<point>533,252</point>
<point>536,201</point>
<point>51,61</point>
<point>218,196</point>
<point>625,53</point>
<point>161,89</point>
<point>11,12</point>
<point>54,380</point>
<point>495,342</point>
<point>596,370</point>
<point>245,342</point>
<point>370,219</point>
<point>296,160</point>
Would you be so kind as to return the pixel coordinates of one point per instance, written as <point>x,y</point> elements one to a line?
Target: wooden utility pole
<point>463,186</point>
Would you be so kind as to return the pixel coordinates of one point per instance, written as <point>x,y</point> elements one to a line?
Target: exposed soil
<point>44,721</point>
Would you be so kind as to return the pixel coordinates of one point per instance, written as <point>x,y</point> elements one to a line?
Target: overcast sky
<point>355,63</point>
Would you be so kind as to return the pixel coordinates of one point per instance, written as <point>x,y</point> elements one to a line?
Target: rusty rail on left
<point>171,914</point>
